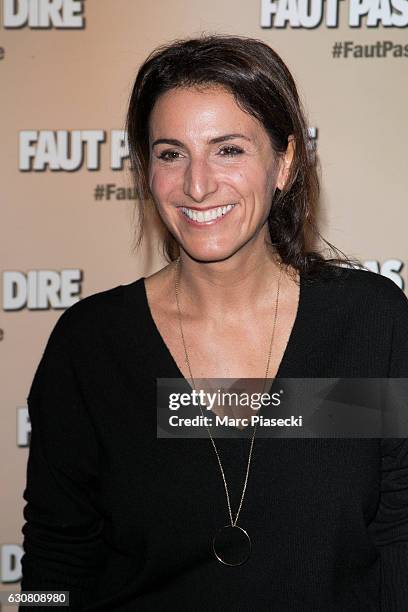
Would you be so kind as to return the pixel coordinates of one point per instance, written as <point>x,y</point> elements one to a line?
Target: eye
<point>230,151</point>
<point>169,155</point>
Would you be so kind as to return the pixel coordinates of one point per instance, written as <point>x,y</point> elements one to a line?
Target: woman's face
<point>212,172</point>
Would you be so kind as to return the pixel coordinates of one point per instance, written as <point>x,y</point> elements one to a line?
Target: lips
<point>206,216</point>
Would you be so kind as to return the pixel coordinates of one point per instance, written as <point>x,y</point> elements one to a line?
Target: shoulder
<point>86,332</point>
<point>363,288</point>
<point>97,314</point>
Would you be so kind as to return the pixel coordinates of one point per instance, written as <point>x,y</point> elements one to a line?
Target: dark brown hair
<point>262,86</point>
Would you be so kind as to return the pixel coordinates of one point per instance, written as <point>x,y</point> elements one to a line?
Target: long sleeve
<point>63,545</point>
<point>390,528</point>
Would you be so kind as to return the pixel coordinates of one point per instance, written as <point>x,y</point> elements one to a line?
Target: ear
<point>285,164</point>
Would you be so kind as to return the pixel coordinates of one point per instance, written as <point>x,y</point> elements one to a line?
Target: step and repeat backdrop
<point>68,209</point>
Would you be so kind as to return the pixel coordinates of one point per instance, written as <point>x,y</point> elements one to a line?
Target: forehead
<point>200,111</point>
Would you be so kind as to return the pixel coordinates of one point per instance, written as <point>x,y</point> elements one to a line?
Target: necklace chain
<point>177,291</point>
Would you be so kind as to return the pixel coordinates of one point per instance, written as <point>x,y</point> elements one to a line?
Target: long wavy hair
<point>262,86</point>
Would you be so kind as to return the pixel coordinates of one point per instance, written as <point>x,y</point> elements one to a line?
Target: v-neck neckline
<point>289,349</point>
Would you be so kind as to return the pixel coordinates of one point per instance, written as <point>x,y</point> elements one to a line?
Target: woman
<point>125,520</point>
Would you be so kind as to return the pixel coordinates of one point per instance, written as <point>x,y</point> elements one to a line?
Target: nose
<point>199,180</point>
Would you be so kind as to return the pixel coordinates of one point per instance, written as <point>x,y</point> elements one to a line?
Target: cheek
<point>254,183</point>
<point>161,183</point>
<point>240,179</point>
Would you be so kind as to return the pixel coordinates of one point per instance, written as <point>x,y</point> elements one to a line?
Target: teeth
<point>204,216</point>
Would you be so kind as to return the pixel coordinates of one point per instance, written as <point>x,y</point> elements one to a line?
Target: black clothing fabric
<point>124,520</point>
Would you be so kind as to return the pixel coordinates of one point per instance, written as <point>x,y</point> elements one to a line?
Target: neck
<point>230,286</point>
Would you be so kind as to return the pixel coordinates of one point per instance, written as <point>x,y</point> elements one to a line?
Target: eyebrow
<point>178,143</point>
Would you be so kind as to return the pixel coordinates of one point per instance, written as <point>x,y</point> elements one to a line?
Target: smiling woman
<point>126,520</point>
<point>243,118</point>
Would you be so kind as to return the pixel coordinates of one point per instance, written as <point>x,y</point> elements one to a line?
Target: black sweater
<point>124,520</point>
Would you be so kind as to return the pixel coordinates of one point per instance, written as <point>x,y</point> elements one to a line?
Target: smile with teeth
<point>203,216</point>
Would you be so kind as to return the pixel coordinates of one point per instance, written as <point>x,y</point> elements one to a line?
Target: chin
<point>206,254</point>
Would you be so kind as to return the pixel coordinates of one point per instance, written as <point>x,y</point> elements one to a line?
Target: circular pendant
<point>231,545</point>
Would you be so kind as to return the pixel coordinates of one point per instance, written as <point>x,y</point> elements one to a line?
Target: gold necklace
<point>231,544</point>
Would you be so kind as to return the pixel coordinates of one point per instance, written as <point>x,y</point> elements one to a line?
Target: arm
<point>63,544</point>
<point>390,527</point>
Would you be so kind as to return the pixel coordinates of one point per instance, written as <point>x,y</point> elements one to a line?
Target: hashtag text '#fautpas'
<point>110,191</point>
<point>382,48</point>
